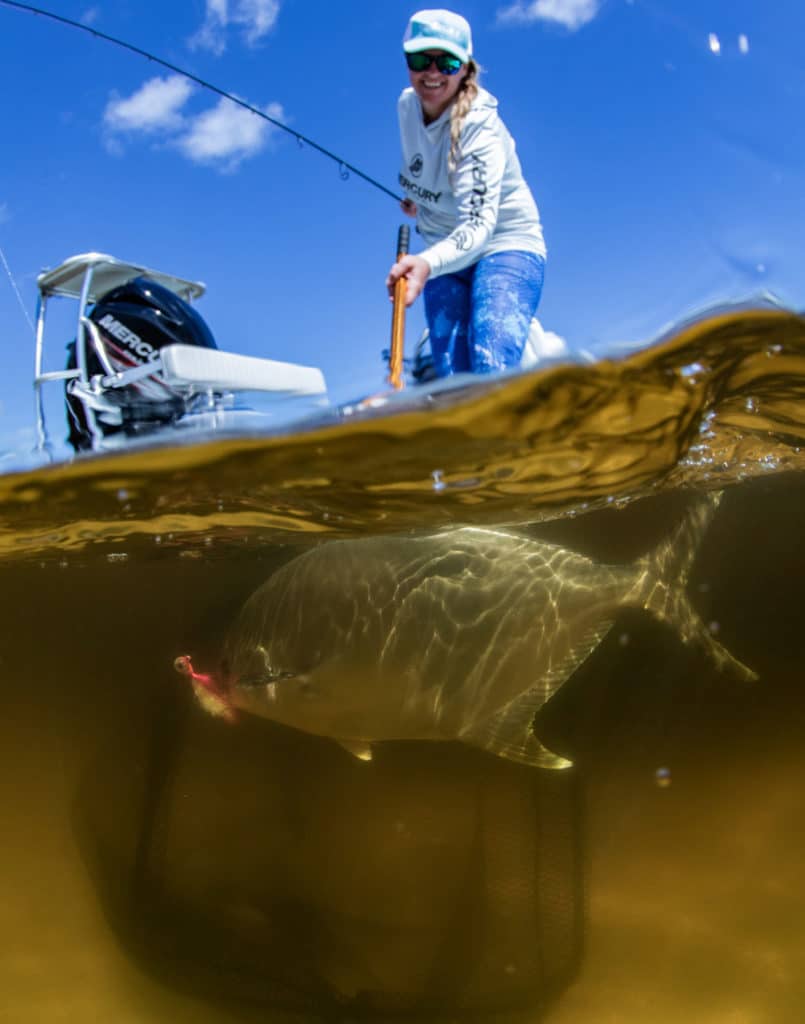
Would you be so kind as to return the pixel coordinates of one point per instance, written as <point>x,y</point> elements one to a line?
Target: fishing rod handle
<point>398,315</point>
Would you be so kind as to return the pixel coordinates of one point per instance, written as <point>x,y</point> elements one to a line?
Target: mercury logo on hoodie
<point>423,193</point>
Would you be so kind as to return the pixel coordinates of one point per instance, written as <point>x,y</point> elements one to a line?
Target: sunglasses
<point>445,62</point>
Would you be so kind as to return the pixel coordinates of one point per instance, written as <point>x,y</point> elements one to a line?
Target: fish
<point>459,635</point>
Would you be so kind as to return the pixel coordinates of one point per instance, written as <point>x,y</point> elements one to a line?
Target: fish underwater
<point>460,635</point>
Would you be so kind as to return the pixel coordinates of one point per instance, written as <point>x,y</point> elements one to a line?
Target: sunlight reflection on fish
<point>460,635</point>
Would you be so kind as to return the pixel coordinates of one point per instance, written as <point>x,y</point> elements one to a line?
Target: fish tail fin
<point>673,559</point>
<point>660,586</point>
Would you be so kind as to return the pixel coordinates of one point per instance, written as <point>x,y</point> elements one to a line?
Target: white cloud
<point>226,134</point>
<point>212,34</point>
<point>570,13</point>
<point>154,107</point>
<point>222,136</point>
<point>254,18</point>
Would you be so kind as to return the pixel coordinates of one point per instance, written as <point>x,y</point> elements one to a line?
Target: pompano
<point>459,635</point>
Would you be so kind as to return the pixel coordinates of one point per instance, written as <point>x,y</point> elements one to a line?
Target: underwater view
<point>341,683</point>
<point>506,693</point>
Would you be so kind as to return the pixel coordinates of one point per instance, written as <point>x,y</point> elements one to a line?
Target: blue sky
<point>663,140</point>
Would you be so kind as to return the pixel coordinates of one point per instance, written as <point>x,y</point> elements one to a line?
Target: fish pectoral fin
<point>510,733</point>
<point>358,748</point>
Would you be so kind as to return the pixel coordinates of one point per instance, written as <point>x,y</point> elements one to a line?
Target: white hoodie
<point>485,205</point>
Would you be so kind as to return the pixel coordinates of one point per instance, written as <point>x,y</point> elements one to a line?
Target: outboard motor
<point>132,323</point>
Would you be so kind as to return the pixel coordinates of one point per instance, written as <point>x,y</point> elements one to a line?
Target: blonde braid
<point>465,96</point>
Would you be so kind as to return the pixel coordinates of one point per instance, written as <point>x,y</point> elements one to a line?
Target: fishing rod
<point>345,168</point>
<point>398,316</point>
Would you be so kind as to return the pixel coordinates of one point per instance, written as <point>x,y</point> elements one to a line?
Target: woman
<point>483,268</point>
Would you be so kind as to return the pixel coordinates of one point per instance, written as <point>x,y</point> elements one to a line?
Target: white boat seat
<point>212,369</point>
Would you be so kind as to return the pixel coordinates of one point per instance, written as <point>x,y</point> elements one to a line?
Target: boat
<point>144,365</point>
<point>144,359</point>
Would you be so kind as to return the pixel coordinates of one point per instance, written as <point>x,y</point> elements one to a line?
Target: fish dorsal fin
<point>358,748</point>
<point>509,732</point>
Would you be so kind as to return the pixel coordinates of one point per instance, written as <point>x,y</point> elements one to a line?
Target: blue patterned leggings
<point>479,318</point>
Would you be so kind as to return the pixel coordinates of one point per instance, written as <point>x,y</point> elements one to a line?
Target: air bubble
<point>438,480</point>
<point>662,777</point>
<point>692,372</point>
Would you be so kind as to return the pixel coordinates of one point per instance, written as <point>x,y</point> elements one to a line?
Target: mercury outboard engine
<point>133,322</point>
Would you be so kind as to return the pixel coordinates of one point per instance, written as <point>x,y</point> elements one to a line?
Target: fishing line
<point>7,269</point>
<point>344,168</point>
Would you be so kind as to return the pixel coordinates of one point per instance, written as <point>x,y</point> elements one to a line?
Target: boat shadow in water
<point>268,867</point>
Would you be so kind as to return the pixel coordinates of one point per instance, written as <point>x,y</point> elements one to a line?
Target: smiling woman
<point>483,269</point>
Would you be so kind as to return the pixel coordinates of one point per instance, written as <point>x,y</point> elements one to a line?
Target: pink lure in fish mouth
<point>206,685</point>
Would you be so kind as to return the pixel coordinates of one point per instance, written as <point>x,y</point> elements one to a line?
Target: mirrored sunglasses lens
<point>448,65</point>
<point>418,61</point>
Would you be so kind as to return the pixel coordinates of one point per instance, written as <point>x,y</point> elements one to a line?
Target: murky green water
<point>160,864</point>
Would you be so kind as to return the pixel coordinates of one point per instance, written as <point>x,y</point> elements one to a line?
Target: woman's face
<point>436,91</point>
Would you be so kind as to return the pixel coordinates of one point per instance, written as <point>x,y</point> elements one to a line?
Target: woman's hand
<point>415,270</point>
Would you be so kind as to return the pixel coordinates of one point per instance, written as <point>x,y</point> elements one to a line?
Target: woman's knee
<point>507,291</point>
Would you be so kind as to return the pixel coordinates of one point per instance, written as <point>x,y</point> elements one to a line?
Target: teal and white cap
<point>439,30</point>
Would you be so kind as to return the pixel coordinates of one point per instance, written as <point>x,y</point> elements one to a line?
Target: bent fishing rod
<point>345,168</point>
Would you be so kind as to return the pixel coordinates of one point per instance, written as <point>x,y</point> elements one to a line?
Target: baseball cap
<point>439,30</point>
